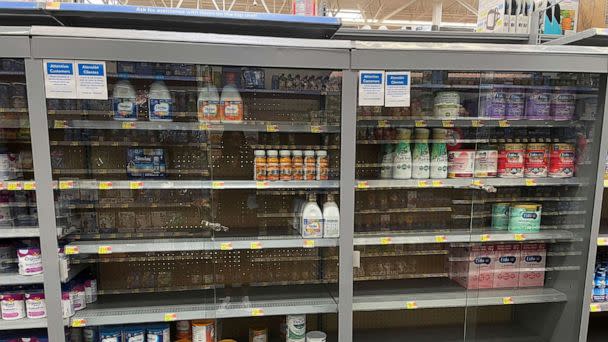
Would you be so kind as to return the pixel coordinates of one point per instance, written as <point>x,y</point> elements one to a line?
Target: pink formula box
<point>532,264</point>
<point>506,267</point>
<point>475,269</point>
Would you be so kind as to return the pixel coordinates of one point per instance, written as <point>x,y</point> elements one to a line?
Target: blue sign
<point>397,80</point>
<point>59,68</point>
<point>90,69</point>
<point>371,78</point>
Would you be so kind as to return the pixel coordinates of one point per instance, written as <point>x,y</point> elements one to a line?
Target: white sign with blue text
<point>397,90</point>
<point>91,82</point>
<point>371,88</point>
<point>59,79</point>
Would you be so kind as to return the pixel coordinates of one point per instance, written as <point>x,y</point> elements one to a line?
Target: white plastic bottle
<point>159,102</point>
<point>331,218</point>
<point>124,101</point>
<point>208,104</point>
<point>439,154</point>
<point>421,163</point>
<point>388,156</point>
<point>231,106</point>
<point>312,219</point>
<point>402,168</point>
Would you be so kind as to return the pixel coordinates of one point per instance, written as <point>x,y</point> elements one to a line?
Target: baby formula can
<point>511,160</point>
<point>66,304</point>
<point>203,331</point>
<point>515,104</point>
<point>296,328</point>
<point>446,104</point>
<point>316,336</point>
<point>500,216</point>
<point>561,161</point>
<point>258,335</point>
<point>525,218</point>
<point>537,160</point>
<point>184,329</point>
<point>110,334</point>
<point>538,104</point>
<point>461,163</point>
<point>12,306</point>
<point>599,285</point>
<point>35,305</point>
<point>563,104</point>
<point>493,102</point>
<point>486,162</point>
<point>159,333</point>
<point>29,261</point>
<point>90,334</point>
<point>134,334</point>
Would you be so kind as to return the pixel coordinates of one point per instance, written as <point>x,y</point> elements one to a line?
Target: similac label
<point>312,227</point>
<point>125,109</point>
<point>232,110</point>
<point>208,110</point>
<point>160,110</point>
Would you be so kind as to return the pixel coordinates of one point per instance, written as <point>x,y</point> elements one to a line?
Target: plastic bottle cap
<point>309,153</point>
<point>272,153</point>
<point>296,153</point>
<point>285,153</point>
<point>321,153</point>
<point>259,153</point>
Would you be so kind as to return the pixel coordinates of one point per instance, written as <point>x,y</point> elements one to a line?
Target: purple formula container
<point>493,102</point>
<point>563,104</point>
<point>29,260</point>
<point>538,103</point>
<point>12,305</point>
<point>35,306</point>
<point>515,104</point>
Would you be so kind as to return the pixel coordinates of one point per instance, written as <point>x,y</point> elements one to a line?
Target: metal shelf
<point>443,293</point>
<point>75,269</point>
<point>467,182</point>
<point>389,238</point>
<point>19,232</point>
<point>194,184</point>
<point>201,244</point>
<point>17,279</point>
<point>24,323</point>
<point>159,307</point>
<point>14,124</point>
<point>460,122</point>
<point>247,126</point>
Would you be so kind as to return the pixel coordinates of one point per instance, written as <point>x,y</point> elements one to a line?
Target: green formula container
<point>525,218</point>
<point>500,216</point>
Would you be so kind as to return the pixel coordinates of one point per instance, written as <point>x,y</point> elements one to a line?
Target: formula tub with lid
<point>446,104</point>
<point>493,102</point>
<point>12,305</point>
<point>516,104</point>
<point>511,160</point>
<point>538,104</point>
<point>536,160</point>
<point>461,163</point>
<point>525,218</point>
<point>316,336</point>
<point>563,104</point>
<point>561,161</point>
<point>500,216</point>
<point>203,330</point>
<point>35,305</point>
<point>29,260</point>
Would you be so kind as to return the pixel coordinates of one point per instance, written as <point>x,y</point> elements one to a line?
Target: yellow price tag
<point>105,185</point>
<point>272,128</point>
<point>76,323</point>
<point>64,185</point>
<point>309,244</point>
<point>315,129</point>
<point>477,123</point>
<point>362,184</point>
<point>530,182</point>
<point>2,186</point>
<point>410,305</point>
<point>169,317</point>
<point>503,123</point>
<point>602,241</point>
<point>53,5</point>
<point>507,300</point>
<point>13,186</point>
<point>136,185</point>
<point>29,186</point>
<point>255,245</point>
<point>485,237</point>
<point>262,185</point>
<point>477,182</point>
<point>217,185</point>
<point>420,123</point>
<point>70,250</point>
<point>441,238</point>
<point>203,127</point>
<point>594,307</point>
<point>128,125</point>
<point>386,240</point>
<point>447,123</point>
<point>423,184</point>
<point>60,124</point>
<point>519,237</point>
<point>437,183</point>
<point>104,250</point>
<point>226,246</point>
<point>383,123</point>
<point>257,312</point>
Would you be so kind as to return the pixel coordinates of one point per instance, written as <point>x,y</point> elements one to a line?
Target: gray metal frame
<point>98,44</point>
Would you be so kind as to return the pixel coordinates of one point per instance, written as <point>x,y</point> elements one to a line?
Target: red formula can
<point>537,160</point>
<point>511,160</point>
<point>561,163</point>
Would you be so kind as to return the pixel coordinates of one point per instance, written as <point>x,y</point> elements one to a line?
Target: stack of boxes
<point>499,265</point>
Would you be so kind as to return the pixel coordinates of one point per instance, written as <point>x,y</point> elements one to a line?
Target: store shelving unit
<point>402,268</point>
<point>23,324</point>
<point>17,279</point>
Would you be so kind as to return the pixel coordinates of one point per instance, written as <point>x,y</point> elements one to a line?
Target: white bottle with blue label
<point>312,219</point>
<point>124,101</point>
<point>159,102</point>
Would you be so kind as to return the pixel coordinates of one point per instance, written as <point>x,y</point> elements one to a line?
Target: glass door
<point>203,198</point>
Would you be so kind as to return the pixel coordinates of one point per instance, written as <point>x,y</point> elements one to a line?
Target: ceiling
<point>373,12</point>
